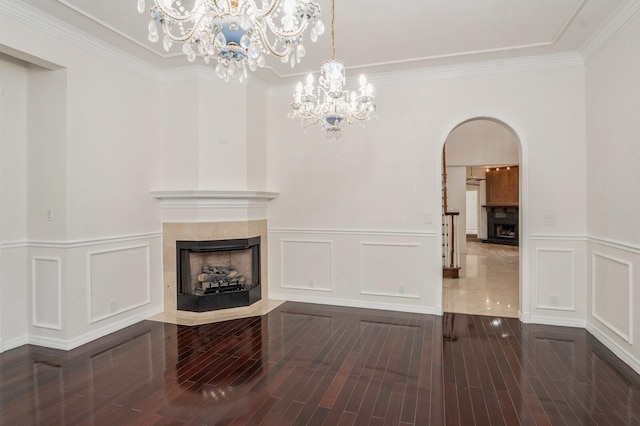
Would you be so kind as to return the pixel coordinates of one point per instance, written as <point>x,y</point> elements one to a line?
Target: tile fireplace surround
<point>205,216</point>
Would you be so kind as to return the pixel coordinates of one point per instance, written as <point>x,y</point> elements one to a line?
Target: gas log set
<point>219,279</point>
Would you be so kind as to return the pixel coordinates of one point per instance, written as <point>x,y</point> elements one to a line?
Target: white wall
<point>613,99</point>
<point>83,139</point>
<point>256,137</point>
<point>377,183</point>
<point>13,201</point>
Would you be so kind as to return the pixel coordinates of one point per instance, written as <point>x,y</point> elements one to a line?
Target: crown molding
<point>41,22</point>
<point>527,63</point>
<point>113,29</point>
<point>618,20</point>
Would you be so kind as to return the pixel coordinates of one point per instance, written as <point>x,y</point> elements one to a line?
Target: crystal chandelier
<point>337,106</point>
<point>235,33</point>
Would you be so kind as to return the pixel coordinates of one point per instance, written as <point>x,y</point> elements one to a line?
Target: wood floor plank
<point>311,364</point>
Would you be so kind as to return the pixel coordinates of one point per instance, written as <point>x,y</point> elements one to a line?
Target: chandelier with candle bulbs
<point>235,34</point>
<point>330,104</point>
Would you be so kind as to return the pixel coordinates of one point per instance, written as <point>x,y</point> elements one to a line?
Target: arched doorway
<point>481,263</point>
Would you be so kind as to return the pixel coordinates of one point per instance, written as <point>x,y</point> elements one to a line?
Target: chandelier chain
<point>333,29</point>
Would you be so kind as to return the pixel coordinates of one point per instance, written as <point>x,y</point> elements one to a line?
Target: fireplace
<point>502,225</point>
<point>217,274</point>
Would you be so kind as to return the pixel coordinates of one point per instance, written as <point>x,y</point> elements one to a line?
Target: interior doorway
<point>481,188</point>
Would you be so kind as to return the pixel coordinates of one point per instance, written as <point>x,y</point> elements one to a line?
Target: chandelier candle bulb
<point>235,34</point>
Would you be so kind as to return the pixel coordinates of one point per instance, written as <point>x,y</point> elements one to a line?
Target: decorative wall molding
<point>619,245</point>
<point>572,268</point>
<point>618,20</point>
<point>64,245</point>
<point>362,270</point>
<point>34,292</point>
<point>550,237</point>
<point>418,309</point>
<point>628,337</point>
<point>283,242</point>
<point>379,232</point>
<point>119,311</point>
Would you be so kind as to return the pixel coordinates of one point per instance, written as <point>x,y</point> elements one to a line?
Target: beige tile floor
<point>488,284</point>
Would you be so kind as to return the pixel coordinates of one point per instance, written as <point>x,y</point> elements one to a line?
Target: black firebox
<point>217,274</point>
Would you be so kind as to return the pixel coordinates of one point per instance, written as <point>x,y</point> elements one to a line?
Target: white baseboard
<point>429,310</point>
<point>101,332</point>
<point>15,343</point>
<point>66,345</point>
<point>614,347</point>
<point>558,321</point>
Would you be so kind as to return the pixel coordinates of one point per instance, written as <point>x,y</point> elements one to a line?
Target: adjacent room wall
<point>613,284</point>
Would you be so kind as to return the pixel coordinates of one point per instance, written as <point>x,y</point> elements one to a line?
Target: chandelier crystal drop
<point>331,105</point>
<point>235,34</point>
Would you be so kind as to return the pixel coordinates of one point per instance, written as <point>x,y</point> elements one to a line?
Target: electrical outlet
<point>550,220</point>
<point>310,283</point>
<point>428,218</point>
<point>50,214</point>
<point>113,306</point>
<point>401,289</point>
<point>553,300</point>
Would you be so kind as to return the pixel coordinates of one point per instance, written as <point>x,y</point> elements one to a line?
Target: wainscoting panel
<point>46,292</point>
<point>612,294</point>
<point>556,279</point>
<point>390,269</point>
<point>119,280</point>
<point>379,269</point>
<point>306,264</point>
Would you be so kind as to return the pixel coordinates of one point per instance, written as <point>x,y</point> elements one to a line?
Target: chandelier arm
<point>186,37</point>
<point>169,13</point>
<point>245,6</point>
<point>268,11</point>
<point>289,34</point>
<point>268,46</point>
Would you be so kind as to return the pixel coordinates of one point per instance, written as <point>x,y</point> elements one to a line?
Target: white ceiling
<point>378,35</point>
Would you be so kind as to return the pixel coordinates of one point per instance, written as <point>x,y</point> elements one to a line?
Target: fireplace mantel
<point>213,206</point>
<point>214,195</point>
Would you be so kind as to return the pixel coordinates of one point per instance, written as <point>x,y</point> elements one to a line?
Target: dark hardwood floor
<point>313,364</point>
